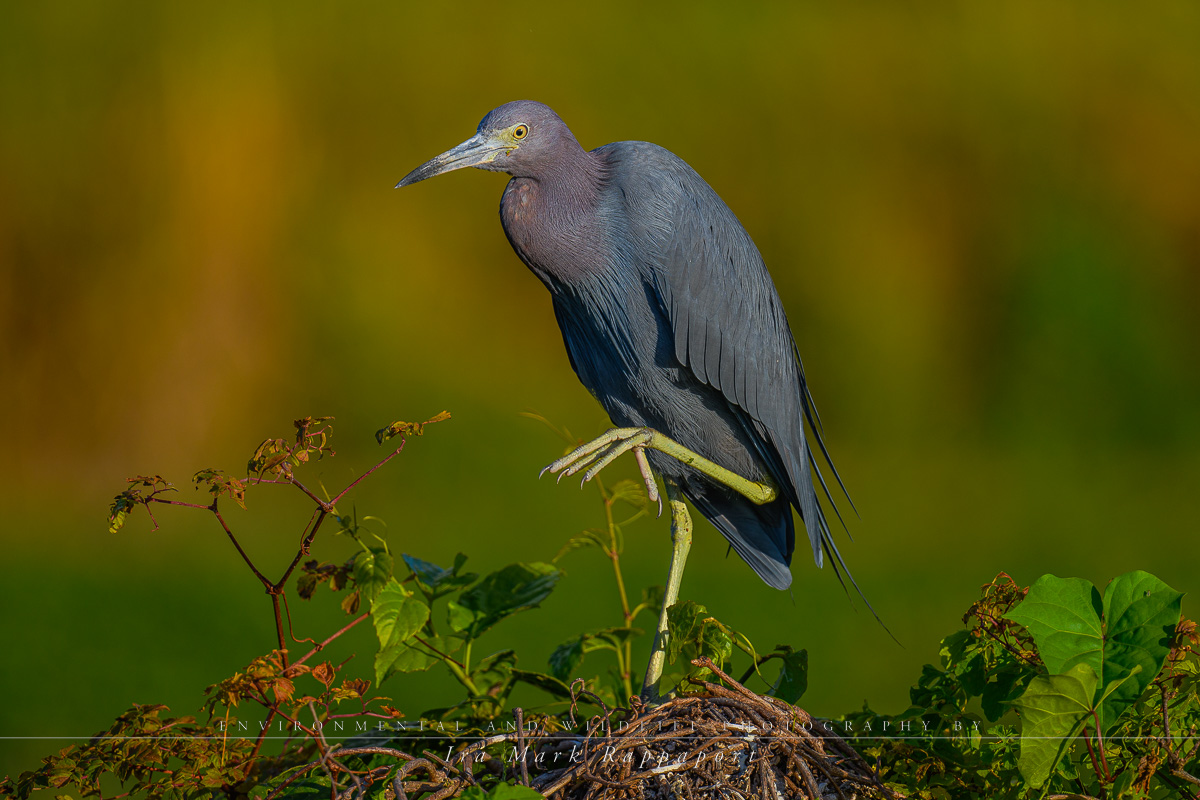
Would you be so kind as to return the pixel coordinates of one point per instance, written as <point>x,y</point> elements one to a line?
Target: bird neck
<point>552,218</point>
<point>570,185</point>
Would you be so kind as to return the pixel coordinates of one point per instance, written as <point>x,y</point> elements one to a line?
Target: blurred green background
<point>984,220</point>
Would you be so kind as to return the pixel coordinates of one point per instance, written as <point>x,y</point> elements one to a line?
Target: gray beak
<point>475,151</point>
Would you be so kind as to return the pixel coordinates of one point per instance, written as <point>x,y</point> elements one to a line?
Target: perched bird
<point>672,322</point>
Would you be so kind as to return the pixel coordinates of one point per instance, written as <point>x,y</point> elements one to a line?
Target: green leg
<point>681,537</point>
<point>601,451</point>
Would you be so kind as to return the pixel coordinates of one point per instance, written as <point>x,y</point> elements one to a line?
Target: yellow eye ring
<point>520,131</point>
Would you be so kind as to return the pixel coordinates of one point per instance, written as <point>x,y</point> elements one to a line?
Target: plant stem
<point>279,628</point>
<point>216,512</point>
<point>325,643</point>
<point>1100,747</point>
<point>463,678</point>
<point>367,474</point>
<point>613,553</point>
<point>303,551</point>
<point>625,653</point>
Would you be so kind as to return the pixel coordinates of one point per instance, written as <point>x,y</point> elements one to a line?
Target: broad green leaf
<point>1140,614</point>
<point>792,682</point>
<point>493,675</point>
<point>403,658</point>
<point>458,618</point>
<point>397,614</point>
<point>1063,616</point>
<point>515,588</point>
<point>502,791</point>
<point>566,658</point>
<point>1053,711</point>
<point>1005,685</point>
<point>372,570</point>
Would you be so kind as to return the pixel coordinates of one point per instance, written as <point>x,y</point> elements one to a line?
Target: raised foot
<point>602,451</point>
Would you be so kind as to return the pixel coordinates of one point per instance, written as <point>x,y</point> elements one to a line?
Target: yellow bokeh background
<point>984,221</point>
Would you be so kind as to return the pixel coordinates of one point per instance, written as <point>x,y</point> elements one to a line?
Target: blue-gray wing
<point>730,329</point>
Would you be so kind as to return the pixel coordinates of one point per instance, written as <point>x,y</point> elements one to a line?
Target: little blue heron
<point>672,322</point>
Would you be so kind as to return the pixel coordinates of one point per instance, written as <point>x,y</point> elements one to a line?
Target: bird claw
<point>602,451</point>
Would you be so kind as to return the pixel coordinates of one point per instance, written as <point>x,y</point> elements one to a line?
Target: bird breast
<point>552,233</point>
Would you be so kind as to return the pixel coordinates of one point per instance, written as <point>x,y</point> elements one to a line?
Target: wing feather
<point>731,331</point>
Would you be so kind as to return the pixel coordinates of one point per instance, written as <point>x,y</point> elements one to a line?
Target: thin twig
<point>368,473</point>
<point>318,648</point>
<point>216,512</point>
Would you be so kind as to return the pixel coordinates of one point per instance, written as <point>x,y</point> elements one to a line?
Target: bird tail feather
<point>759,534</point>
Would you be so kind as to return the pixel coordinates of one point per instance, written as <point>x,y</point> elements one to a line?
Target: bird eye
<point>520,131</point>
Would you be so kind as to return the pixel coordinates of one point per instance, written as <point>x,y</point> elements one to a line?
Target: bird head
<point>519,138</point>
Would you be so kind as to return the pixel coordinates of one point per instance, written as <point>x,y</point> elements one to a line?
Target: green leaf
<point>566,658</point>
<point>426,572</point>
<point>546,683</point>
<point>437,581</point>
<point>118,512</point>
<point>372,570</point>
<point>398,615</point>
<point>458,618</point>
<point>501,791</point>
<point>1005,685</point>
<point>515,588</point>
<point>1063,616</point>
<point>652,596</point>
<point>493,675</point>
<point>792,682</point>
<point>694,632</point>
<point>652,600</point>
<point>306,584</point>
<point>309,789</point>
<point>411,657</point>
<point>1140,613</point>
<point>631,492</point>
<point>1053,710</point>
<point>588,538</point>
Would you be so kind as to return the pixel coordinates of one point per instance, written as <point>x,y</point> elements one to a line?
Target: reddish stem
<point>325,506</point>
<point>258,743</point>
<point>279,629</point>
<point>265,581</point>
<point>181,503</point>
<point>301,553</point>
<point>366,474</point>
<point>323,644</point>
<point>1100,747</point>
